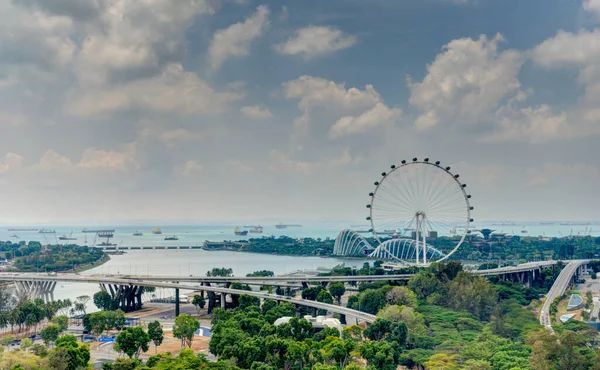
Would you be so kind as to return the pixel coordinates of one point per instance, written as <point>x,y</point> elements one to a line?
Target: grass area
<point>99,262</point>
<point>573,292</point>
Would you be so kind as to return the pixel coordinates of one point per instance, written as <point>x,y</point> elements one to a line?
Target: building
<point>319,322</point>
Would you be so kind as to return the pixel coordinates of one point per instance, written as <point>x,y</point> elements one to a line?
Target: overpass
<point>558,289</point>
<point>125,286</point>
<point>37,279</point>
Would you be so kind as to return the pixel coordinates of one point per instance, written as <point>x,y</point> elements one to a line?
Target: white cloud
<point>91,158</point>
<point>136,39</point>
<point>52,160</point>
<point>572,50</point>
<point>315,41</point>
<point>175,91</point>
<point>379,115</point>
<point>11,162</point>
<point>256,112</point>
<point>349,111</point>
<point>535,125</point>
<point>318,91</point>
<point>189,168</point>
<point>592,6</point>
<point>107,159</point>
<point>466,82</point>
<point>235,40</point>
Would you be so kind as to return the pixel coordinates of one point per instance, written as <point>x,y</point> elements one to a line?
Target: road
<point>109,280</point>
<point>558,288</point>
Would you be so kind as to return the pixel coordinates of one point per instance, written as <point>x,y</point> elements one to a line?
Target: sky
<point>203,111</point>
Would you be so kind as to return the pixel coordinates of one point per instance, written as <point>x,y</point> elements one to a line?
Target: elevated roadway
<point>558,289</point>
<point>220,290</point>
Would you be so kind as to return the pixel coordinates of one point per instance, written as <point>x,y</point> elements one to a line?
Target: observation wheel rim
<point>449,173</point>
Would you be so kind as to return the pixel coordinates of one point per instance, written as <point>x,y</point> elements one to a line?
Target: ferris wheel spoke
<point>402,191</point>
<point>391,194</point>
<point>441,191</point>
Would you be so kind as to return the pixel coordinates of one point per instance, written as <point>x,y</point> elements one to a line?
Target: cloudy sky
<point>243,110</point>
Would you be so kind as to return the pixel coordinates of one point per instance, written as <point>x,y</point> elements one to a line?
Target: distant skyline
<point>220,111</point>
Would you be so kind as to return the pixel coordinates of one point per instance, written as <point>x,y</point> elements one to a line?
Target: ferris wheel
<point>420,200</point>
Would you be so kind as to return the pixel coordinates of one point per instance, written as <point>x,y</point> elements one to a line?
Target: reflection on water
<point>194,262</point>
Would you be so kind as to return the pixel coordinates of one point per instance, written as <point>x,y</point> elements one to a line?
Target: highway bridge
<point>118,282</point>
<point>559,287</point>
<point>124,285</point>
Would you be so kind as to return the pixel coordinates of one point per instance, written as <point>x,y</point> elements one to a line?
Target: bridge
<point>559,287</point>
<point>126,287</point>
<point>37,279</point>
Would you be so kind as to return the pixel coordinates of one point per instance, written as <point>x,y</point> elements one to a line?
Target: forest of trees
<point>514,249</point>
<point>32,257</point>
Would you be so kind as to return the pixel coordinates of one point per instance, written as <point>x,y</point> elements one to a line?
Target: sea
<point>197,261</point>
<point>193,235</point>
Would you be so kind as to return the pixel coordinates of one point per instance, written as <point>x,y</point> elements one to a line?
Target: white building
<point>320,322</point>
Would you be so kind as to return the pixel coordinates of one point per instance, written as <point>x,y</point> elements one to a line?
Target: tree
<point>26,343</point>
<point>337,289</point>
<point>402,296</point>
<point>81,304</point>
<point>222,271</point>
<point>69,354</point>
<point>324,297</point>
<point>132,341</point>
<point>103,300</point>
<point>50,334</point>
<point>156,334</point>
<point>378,329</point>
<point>246,301</point>
<point>371,301</point>
<point>199,302</point>
<point>61,321</point>
<point>184,328</point>
<point>98,322</point>
<point>442,361</point>
<point>311,293</point>
<point>114,319</point>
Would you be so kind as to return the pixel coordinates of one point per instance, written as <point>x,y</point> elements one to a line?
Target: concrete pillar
<point>176,302</point>
<point>223,300</point>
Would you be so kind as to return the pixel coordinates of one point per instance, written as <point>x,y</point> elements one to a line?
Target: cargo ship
<point>173,237</point>
<point>138,233</point>
<point>256,230</point>
<point>47,231</point>
<point>65,237</point>
<point>156,231</point>
<point>97,230</point>
<point>16,229</point>
<point>239,231</point>
<point>281,226</point>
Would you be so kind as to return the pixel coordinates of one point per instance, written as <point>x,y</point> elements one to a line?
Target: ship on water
<point>156,231</point>
<point>65,237</point>
<point>172,237</point>
<point>17,229</point>
<point>85,230</point>
<point>47,231</point>
<point>256,230</point>
<point>239,231</point>
<point>281,226</point>
<point>138,233</point>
